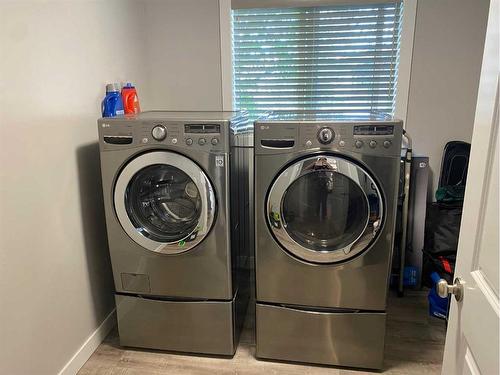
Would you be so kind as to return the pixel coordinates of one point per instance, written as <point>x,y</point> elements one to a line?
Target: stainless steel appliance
<point>179,266</point>
<point>325,200</point>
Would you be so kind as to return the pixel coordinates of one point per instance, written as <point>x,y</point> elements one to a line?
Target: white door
<point>472,345</point>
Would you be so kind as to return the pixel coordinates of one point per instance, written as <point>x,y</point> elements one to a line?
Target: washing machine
<point>179,267</point>
<point>325,202</point>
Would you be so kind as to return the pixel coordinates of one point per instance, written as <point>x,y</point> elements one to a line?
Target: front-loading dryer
<point>172,232</point>
<point>325,203</point>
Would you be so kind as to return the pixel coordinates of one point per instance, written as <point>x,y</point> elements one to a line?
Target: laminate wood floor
<point>414,345</point>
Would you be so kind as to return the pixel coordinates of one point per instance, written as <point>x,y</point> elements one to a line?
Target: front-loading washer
<point>325,203</point>
<point>180,272</point>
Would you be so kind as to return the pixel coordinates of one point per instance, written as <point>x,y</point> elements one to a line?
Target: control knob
<point>325,135</point>
<point>159,132</point>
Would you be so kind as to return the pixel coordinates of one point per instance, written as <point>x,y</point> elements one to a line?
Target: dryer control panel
<point>373,138</point>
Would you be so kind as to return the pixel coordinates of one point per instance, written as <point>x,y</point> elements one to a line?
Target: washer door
<point>164,202</point>
<point>324,209</point>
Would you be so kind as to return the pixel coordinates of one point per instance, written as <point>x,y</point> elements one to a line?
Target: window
<point>341,58</point>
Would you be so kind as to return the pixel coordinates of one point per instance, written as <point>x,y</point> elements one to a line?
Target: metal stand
<point>404,215</point>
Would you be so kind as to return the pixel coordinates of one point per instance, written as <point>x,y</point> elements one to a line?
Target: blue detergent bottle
<point>112,105</point>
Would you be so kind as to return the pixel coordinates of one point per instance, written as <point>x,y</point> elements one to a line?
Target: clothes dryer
<point>325,202</point>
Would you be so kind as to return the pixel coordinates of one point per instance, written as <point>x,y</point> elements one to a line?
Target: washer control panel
<point>206,136</point>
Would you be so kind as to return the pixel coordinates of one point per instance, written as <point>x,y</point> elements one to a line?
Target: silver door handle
<point>457,289</point>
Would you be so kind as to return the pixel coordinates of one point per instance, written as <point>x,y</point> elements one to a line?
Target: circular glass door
<point>164,202</point>
<point>324,209</point>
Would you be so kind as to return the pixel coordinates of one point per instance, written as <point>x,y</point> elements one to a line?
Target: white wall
<point>447,55</point>
<point>55,277</point>
<point>183,54</point>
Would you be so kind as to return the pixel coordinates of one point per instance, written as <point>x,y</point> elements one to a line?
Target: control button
<point>387,143</point>
<point>174,140</point>
<point>189,141</point>
<point>308,143</point>
<point>325,135</point>
<point>342,143</point>
<point>202,141</point>
<point>214,141</point>
<point>159,132</point>
<point>358,143</point>
<point>373,144</point>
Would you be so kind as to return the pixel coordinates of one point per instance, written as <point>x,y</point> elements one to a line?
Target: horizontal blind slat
<point>332,66</point>
<point>342,71</point>
<point>281,76</point>
<point>315,14</point>
<point>334,31</point>
<point>323,55</point>
<point>323,9</point>
<point>364,45</point>
<point>325,24</point>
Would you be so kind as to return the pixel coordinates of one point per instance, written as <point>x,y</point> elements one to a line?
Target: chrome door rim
<point>278,224</point>
<point>200,179</point>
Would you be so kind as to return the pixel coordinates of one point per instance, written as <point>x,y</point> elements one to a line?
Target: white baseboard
<point>89,346</point>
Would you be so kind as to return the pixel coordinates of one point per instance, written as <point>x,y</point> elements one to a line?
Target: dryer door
<point>164,202</point>
<point>324,209</point>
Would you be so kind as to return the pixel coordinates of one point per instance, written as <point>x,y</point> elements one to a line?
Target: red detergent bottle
<point>130,99</point>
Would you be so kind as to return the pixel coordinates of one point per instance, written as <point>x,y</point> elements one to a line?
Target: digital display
<point>373,130</point>
<point>202,128</point>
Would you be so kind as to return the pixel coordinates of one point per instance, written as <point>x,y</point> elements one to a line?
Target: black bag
<point>442,222</point>
<point>442,228</point>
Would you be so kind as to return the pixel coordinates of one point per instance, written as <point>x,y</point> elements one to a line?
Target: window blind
<point>340,58</point>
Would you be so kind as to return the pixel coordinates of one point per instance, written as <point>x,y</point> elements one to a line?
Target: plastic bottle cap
<point>113,87</point>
